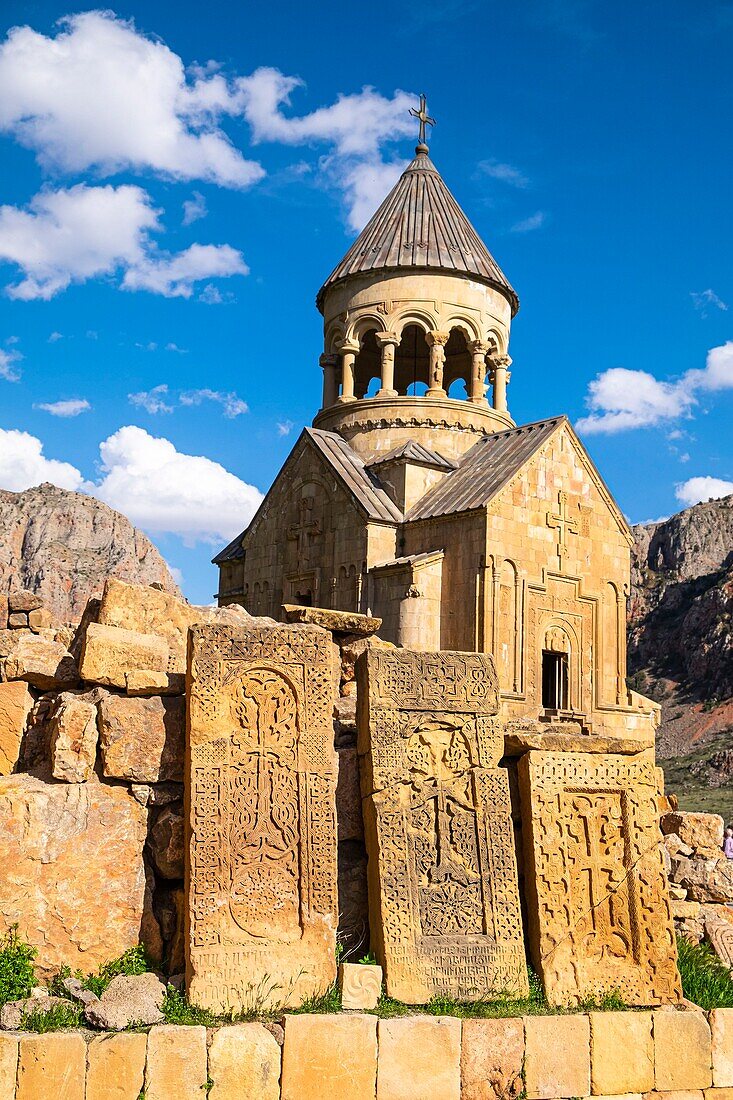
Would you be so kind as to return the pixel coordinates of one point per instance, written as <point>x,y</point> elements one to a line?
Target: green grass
<point>177,1009</point>
<point>133,962</point>
<point>16,967</point>
<point>705,980</point>
<point>692,790</point>
<point>55,1018</point>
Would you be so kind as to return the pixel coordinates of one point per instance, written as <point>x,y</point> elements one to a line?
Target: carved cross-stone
<point>564,524</point>
<point>304,531</point>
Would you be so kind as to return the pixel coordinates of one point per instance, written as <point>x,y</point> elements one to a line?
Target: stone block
<point>682,1051</point>
<point>621,1052</point>
<point>719,934</point>
<point>702,832</point>
<point>128,1000</point>
<point>244,1064</point>
<point>706,880</point>
<point>176,1063</point>
<point>419,1056</point>
<point>15,706</point>
<point>721,1028</point>
<point>76,889</point>
<point>557,1056</point>
<point>339,622</point>
<point>348,797</point>
<point>116,1066</point>
<point>41,662</point>
<point>143,681</point>
<point>361,985</point>
<point>718,1094</point>
<point>329,1056</point>
<point>263,907</point>
<point>142,740</point>
<point>52,1066</point>
<point>109,653</point>
<point>8,1066</point>
<point>40,619</point>
<point>17,620</point>
<point>74,734</point>
<point>20,599</point>
<point>492,1057</point>
<point>583,818</point>
<point>443,891</point>
<point>167,843</point>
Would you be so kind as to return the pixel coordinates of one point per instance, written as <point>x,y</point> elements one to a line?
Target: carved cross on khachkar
<point>424,117</point>
<point>304,530</point>
<point>564,524</point>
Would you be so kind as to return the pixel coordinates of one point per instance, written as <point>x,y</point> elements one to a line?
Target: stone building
<point>415,496</point>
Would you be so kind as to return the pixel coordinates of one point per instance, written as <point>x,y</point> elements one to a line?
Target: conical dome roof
<point>421,226</point>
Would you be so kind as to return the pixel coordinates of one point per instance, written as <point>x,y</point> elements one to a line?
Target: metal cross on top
<point>425,119</point>
<point>564,524</point>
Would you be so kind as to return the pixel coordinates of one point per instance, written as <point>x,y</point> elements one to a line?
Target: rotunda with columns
<point>416,321</point>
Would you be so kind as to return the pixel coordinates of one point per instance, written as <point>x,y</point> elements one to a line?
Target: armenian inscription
<point>443,896</point>
<point>261,873</point>
<point>600,919</point>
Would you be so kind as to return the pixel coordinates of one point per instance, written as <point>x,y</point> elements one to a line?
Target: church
<point>416,498</point>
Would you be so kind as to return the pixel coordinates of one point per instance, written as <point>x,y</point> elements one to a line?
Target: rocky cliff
<point>681,645</point>
<point>63,545</point>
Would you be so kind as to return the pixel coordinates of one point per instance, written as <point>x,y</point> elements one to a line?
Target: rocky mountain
<point>681,646</point>
<point>63,545</point>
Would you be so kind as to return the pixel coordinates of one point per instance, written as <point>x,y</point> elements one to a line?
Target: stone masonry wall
<point>668,1054</point>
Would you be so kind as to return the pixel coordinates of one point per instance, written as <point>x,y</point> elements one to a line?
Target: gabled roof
<point>355,476</point>
<point>484,470</point>
<point>420,225</point>
<point>414,452</point>
<point>232,551</point>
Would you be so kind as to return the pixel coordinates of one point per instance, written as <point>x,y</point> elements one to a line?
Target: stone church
<point>415,497</point>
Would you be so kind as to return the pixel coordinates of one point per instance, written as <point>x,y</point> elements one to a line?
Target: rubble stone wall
<point>360,1057</point>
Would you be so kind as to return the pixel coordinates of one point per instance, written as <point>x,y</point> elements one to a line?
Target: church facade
<point>416,498</point>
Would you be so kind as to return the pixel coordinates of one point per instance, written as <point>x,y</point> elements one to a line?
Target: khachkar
<point>443,896</point>
<point>599,914</point>
<point>261,778</point>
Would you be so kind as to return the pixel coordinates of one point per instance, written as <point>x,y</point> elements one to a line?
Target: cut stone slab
<point>116,1067</point>
<point>17,620</point>
<point>721,1028</point>
<point>142,740</point>
<point>144,681</point>
<point>361,985</point>
<point>326,1055</point>
<point>74,878</point>
<point>419,1056</point>
<point>9,1047</point>
<point>20,599</point>
<point>719,934</point>
<point>492,1057</point>
<point>244,1064</point>
<point>41,662</point>
<point>557,1056</point>
<point>15,706</point>
<point>682,1051</point>
<point>622,1052</point>
<point>40,619</point>
<point>706,880</point>
<point>598,905</point>
<point>262,898</point>
<point>128,1000</point>
<point>339,622</point>
<point>702,832</point>
<point>52,1066</point>
<point>74,734</point>
<point>109,653</point>
<point>176,1063</point>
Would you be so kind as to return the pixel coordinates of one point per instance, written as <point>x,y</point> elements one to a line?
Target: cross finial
<point>425,120</point>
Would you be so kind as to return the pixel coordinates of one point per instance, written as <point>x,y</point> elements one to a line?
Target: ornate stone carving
<point>719,933</point>
<point>261,875</point>
<point>599,915</point>
<point>444,903</point>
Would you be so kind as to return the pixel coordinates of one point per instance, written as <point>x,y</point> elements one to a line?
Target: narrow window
<point>554,680</point>
<point>305,599</point>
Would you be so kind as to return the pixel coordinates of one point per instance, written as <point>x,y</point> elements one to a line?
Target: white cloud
<point>176,573</point>
<point>23,464</point>
<point>70,236</point>
<point>194,208</point>
<point>506,173</point>
<point>9,365</point>
<point>364,183</point>
<point>696,489</point>
<point>211,295</point>
<point>153,401</point>
<point>55,337</point>
<point>704,300</point>
<point>620,399</point>
<point>285,427</point>
<point>71,407</point>
<point>163,490</point>
<point>233,406</point>
<point>175,347</point>
<point>102,95</point>
<point>534,221</point>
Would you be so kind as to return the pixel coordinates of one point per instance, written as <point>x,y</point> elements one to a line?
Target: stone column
<point>477,388</point>
<point>329,364</point>
<point>436,343</point>
<point>501,366</point>
<point>348,354</point>
<point>387,342</point>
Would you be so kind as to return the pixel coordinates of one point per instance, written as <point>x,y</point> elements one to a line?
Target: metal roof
<point>484,470</point>
<point>412,451</point>
<point>232,551</point>
<point>352,471</point>
<point>420,225</point>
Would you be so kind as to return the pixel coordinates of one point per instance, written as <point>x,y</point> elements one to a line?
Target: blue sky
<point>177,181</point>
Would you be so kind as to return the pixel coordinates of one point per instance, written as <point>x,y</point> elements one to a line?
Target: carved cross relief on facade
<point>303,531</point>
<point>564,525</point>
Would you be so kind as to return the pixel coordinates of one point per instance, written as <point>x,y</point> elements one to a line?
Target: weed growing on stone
<point>16,967</point>
<point>177,1009</point>
<point>55,1018</point>
<point>320,1003</point>
<point>133,962</point>
<point>705,980</point>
